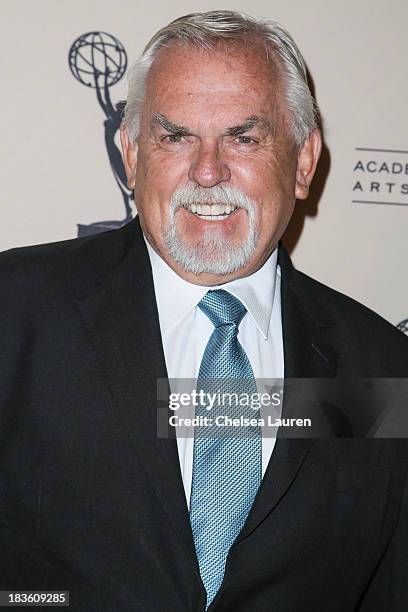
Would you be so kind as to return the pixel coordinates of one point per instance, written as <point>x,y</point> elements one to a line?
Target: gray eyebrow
<point>168,125</point>
<point>249,124</point>
<point>236,130</point>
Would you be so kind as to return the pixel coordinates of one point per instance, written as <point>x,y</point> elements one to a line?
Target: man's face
<point>215,169</point>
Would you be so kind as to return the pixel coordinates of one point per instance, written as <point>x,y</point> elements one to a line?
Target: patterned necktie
<point>226,469</point>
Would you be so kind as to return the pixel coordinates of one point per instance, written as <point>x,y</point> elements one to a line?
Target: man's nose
<point>208,167</point>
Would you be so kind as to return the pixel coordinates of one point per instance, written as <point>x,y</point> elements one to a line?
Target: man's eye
<point>246,140</point>
<point>174,138</point>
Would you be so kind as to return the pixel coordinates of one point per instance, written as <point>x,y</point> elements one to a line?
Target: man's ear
<point>129,151</point>
<point>308,157</point>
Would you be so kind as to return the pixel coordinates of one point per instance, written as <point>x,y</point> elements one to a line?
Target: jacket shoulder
<point>355,327</point>
<point>38,270</point>
<point>343,306</point>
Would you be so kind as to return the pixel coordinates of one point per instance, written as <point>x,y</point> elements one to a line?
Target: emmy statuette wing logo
<point>98,60</point>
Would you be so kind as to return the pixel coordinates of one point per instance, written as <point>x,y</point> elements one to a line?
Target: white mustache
<point>193,194</point>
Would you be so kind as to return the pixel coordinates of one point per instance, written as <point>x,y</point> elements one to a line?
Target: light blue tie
<point>226,470</point>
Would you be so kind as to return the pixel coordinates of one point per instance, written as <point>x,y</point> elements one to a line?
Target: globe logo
<point>98,60</point>
<point>403,326</point>
<point>97,54</point>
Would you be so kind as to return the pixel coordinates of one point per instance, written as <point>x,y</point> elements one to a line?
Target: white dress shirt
<point>185,331</point>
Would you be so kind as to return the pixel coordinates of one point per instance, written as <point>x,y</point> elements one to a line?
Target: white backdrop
<point>55,171</point>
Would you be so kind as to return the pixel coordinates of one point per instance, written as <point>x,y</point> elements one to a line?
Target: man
<point>219,140</point>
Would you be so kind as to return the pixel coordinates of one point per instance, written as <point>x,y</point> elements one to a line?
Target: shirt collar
<point>256,292</point>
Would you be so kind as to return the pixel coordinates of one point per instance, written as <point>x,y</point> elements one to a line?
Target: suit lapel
<point>307,354</point>
<point>121,320</point>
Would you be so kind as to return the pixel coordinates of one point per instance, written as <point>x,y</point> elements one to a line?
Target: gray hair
<point>205,31</point>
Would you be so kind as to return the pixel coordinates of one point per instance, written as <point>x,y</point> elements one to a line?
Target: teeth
<point>213,210</point>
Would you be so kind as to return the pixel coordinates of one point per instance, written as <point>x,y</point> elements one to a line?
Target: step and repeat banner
<point>63,72</point>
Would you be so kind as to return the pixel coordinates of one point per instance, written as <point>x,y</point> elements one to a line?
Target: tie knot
<point>222,308</point>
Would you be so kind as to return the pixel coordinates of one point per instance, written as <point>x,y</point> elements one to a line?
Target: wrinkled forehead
<point>241,79</point>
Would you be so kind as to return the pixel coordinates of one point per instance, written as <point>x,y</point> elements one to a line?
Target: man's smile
<point>213,212</point>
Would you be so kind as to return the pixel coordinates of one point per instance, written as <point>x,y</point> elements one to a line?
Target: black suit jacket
<point>92,501</point>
